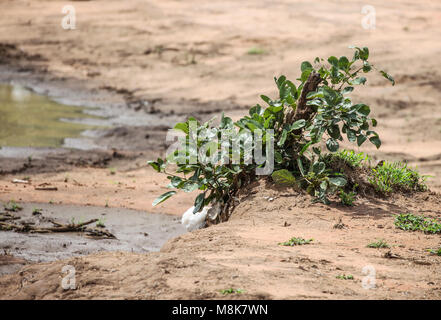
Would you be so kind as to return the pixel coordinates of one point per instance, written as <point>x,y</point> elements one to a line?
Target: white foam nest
<point>193,221</point>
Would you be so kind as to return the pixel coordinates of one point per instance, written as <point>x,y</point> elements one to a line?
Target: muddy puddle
<point>28,119</point>
<point>135,231</point>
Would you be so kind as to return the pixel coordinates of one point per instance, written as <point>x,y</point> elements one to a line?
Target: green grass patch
<point>231,291</point>
<point>296,242</point>
<point>345,277</point>
<point>435,251</point>
<point>378,244</point>
<point>396,176</point>
<point>255,51</point>
<point>410,222</point>
<point>352,158</point>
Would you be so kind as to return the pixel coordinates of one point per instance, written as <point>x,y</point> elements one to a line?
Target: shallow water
<point>136,231</point>
<point>31,120</point>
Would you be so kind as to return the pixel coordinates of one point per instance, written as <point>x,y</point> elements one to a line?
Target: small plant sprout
<point>347,199</point>
<point>36,211</point>
<point>12,206</point>
<point>296,242</point>
<point>112,171</point>
<point>345,277</point>
<point>100,223</point>
<point>380,244</point>
<point>435,251</point>
<point>256,51</point>
<point>410,222</point>
<point>231,291</point>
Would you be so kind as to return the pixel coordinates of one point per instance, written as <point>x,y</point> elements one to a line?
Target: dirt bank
<point>245,253</point>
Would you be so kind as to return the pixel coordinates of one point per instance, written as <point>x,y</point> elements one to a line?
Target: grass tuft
<point>379,244</point>
<point>417,223</point>
<point>345,277</point>
<point>435,251</point>
<point>396,176</point>
<point>231,291</point>
<point>256,51</point>
<point>351,158</point>
<point>296,242</point>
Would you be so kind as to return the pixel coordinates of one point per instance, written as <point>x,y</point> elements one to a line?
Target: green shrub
<point>396,176</point>
<point>286,133</point>
<point>417,223</point>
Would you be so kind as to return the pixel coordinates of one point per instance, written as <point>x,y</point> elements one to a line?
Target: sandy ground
<point>245,253</point>
<point>166,59</point>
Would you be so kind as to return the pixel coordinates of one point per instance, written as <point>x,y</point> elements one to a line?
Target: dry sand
<point>192,58</point>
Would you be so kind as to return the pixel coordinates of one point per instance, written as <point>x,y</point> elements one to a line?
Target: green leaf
<point>199,203</point>
<point>318,167</point>
<point>351,135</point>
<point>388,77</point>
<point>305,147</point>
<point>334,131</point>
<point>190,186</point>
<point>226,122</point>
<point>347,90</point>
<point>183,126</point>
<point>300,164</point>
<point>333,61</point>
<point>280,81</point>
<point>360,139</point>
<point>284,177</point>
<point>278,157</point>
<point>175,182</point>
<point>338,181</point>
<point>332,144</point>
<point>282,138</point>
<point>359,80</point>
<point>154,165</point>
<point>306,66</point>
<point>265,98</point>
<point>362,109</point>
<point>366,67</point>
<point>376,141</point>
<point>305,75</point>
<point>163,197</point>
<point>364,53</point>
<point>298,124</point>
<point>343,63</point>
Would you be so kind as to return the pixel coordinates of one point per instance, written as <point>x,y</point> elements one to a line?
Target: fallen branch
<point>80,227</point>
